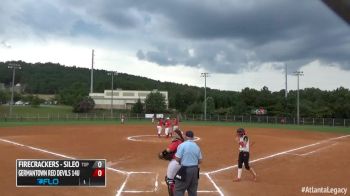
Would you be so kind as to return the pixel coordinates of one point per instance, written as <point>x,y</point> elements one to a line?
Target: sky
<point>239,43</point>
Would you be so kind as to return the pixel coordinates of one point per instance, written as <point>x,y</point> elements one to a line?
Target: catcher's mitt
<point>165,155</point>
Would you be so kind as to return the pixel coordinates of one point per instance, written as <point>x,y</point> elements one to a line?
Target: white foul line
<point>263,158</point>
<point>156,183</point>
<point>121,189</point>
<point>281,153</point>
<point>55,154</point>
<point>37,149</point>
<point>305,154</point>
<point>73,158</point>
<point>311,152</point>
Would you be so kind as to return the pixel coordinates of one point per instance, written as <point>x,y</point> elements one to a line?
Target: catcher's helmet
<point>178,135</point>
<point>240,132</point>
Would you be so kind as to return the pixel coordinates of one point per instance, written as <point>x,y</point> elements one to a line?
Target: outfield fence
<point>271,120</point>
<point>184,117</point>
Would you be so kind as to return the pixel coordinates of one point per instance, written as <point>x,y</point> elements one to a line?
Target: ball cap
<point>241,131</point>
<point>189,133</point>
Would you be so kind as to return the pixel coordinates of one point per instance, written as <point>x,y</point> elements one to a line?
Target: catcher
<point>243,157</point>
<point>173,166</point>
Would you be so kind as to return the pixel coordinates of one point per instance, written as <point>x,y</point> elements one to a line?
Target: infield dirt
<point>323,164</point>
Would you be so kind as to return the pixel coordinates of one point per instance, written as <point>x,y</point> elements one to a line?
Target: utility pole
<point>205,75</point>
<point>92,72</point>
<point>13,67</point>
<point>298,74</point>
<point>286,79</point>
<point>286,89</point>
<point>112,74</point>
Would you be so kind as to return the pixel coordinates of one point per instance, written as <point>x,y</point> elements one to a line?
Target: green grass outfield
<point>345,130</point>
<point>40,110</point>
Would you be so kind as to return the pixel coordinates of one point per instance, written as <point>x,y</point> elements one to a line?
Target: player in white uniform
<point>175,124</point>
<point>153,118</point>
<point>122,119</point>
<point>167,128</point>
<point>160,126</point>
<point>243,156</point>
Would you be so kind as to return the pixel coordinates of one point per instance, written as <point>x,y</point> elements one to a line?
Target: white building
<point>122,99</point>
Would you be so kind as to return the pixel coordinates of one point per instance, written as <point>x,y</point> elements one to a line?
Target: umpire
<point>189,156</point>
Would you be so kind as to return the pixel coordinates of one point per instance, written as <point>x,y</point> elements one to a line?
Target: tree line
<point>72,84</point>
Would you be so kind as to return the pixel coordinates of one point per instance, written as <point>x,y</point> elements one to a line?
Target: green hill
<point>71,82</point>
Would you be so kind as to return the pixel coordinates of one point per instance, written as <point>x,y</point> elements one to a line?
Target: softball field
<point>285,160</point>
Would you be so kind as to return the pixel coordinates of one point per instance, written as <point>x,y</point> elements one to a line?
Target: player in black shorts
<point>243,156</point>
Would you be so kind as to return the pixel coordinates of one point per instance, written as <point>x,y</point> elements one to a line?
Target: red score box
<point>98,172</point>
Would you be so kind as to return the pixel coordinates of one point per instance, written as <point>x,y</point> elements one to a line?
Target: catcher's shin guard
<point>171,185</point>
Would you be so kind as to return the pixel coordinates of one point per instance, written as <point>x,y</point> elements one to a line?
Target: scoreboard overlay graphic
<point>53,173</point>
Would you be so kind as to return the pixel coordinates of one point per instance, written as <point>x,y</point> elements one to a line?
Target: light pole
<point>112,74</point>
<point>286,90</point>
<point>13,67</point>
<point>286,81</point>
<point>205,75</point>
<point>298,74</point>
<point>92,72</point>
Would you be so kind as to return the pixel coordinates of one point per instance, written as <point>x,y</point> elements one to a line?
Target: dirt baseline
<point>285,161</point>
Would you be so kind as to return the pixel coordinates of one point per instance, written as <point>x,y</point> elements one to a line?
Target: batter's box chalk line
<point>199,191</point>
<point>125,173</point>
<point>123,190</point>
<point>128,173</point>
